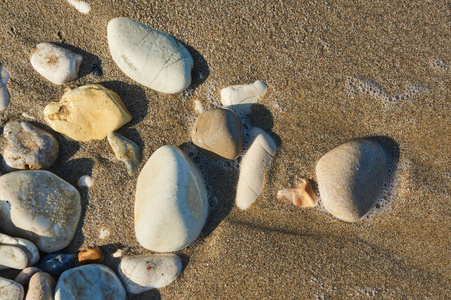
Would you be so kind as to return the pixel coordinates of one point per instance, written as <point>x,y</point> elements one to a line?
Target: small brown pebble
<point>90,256</point>
<point>301,196</point>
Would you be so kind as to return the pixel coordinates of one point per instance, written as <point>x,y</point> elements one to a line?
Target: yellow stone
<point>87,113</point>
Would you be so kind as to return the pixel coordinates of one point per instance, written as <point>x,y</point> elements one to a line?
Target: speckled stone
<point>41,287</point>
<point>57,64</point>
<point>219,133</point>
<point>145,272</point>
<point>29,147</point>
<point>349,178</point>
<point>39,206</point>
<point>94,282</point>
<point>87,113</point>
<point>10,290</point>
<point>171,204</point>
<point>148,56</point>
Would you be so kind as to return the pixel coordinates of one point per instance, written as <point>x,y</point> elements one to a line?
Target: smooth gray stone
<point>41,287</point>
<point>10,290</point>
<point>39,206</point>
<point>29,147</point>
<point>349,178</point>
<point>171,204</point>
<point>90,282</point>
<point>148,56</point>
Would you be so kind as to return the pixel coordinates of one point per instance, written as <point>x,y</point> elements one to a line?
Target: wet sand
<point>305,53</point>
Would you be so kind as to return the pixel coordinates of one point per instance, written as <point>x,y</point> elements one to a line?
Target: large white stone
<point>93,282</point>
<point>39,206</point>
<point>256,161</point>
<point>148,56</point>
<point>171,204</point>
<point>146,272</point>
<point>10,290</point>
<point>28,247</point>
<point>59,65</point>
<point>349,178</point>
<point>242,97</point>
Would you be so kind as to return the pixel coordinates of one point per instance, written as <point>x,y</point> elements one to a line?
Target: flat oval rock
<point>11,290</point>
<point>87,113</point>
<point>39,206</point>
<point>142,273</point>
<point>29,147</point>
<point>148,56</point>
<point>219,133</point>
<point>171,204</point>
<point>12,257</point>
<point>94,282</point>
<point>254,165</point>
<point>57,64</point>
<point>27,246</point>
<point>349,178</point>
<point>41,286</point>
<point>242,97</point>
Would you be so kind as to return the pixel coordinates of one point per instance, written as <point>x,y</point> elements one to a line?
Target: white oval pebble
<point>10,290</point>
<point>146,272</point>
<point>12,257</point>
<point>256,161</point>
<point>85,181</point>
<point>28,247</point>
<point>148,56</point>
<point>242,97</point>
<point>171,204</point>
<point>59,65</point>
<point>81,6</point>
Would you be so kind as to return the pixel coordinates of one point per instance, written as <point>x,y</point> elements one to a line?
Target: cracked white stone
<point>254,165</point>
<point>148,56</point>
<point>242,97</point>
<point>59,65</point>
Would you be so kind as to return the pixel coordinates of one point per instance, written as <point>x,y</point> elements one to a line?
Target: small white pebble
<point>119,253</point>
<point>28,116</point>
<point>104,233</point>
<point>198,106</point>
<point>81,6</point>
<point>85,181</point>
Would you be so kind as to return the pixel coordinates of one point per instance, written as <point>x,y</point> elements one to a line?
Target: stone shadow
<point>200,71</point>
<point>89,59</point>
<point>134,99</point>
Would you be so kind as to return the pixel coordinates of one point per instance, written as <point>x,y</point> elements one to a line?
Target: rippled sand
<point>307,54</point>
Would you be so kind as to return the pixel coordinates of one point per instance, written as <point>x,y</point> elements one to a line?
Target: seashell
<point>4,94</point>
<point>125,150</point>
<point>242,97</point>
<point>90,256</point>
<point>24,276</point>
<point>28,247</point>
<point>85,181</point>
<point>12,257</point>
<point>301,196</point>
<point>146,272</point>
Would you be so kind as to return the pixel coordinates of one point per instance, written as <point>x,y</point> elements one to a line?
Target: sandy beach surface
<point>306,52</point>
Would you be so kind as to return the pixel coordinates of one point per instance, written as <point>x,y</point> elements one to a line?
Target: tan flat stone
<point>87,113</point>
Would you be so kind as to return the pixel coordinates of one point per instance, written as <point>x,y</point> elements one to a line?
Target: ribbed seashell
<point>146,272</point>
<point>301,196</point>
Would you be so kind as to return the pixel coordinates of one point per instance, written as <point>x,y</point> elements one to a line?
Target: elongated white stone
<point>4,93</point>
<point>256,161</point>
<point>12,257</point>
<point>59,65</point>
<point>148,56</point>
<point>146,272</point>
<point>28,247</point>
<point>242,97</point>
<point>171,204</point>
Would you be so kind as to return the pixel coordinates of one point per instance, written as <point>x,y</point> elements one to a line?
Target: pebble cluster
<point>41,211</point>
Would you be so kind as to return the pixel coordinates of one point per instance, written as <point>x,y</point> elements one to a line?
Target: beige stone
<point>41,287</point>
<point>301,196</point>
<point>86,113</point>
<point>219,133</point>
